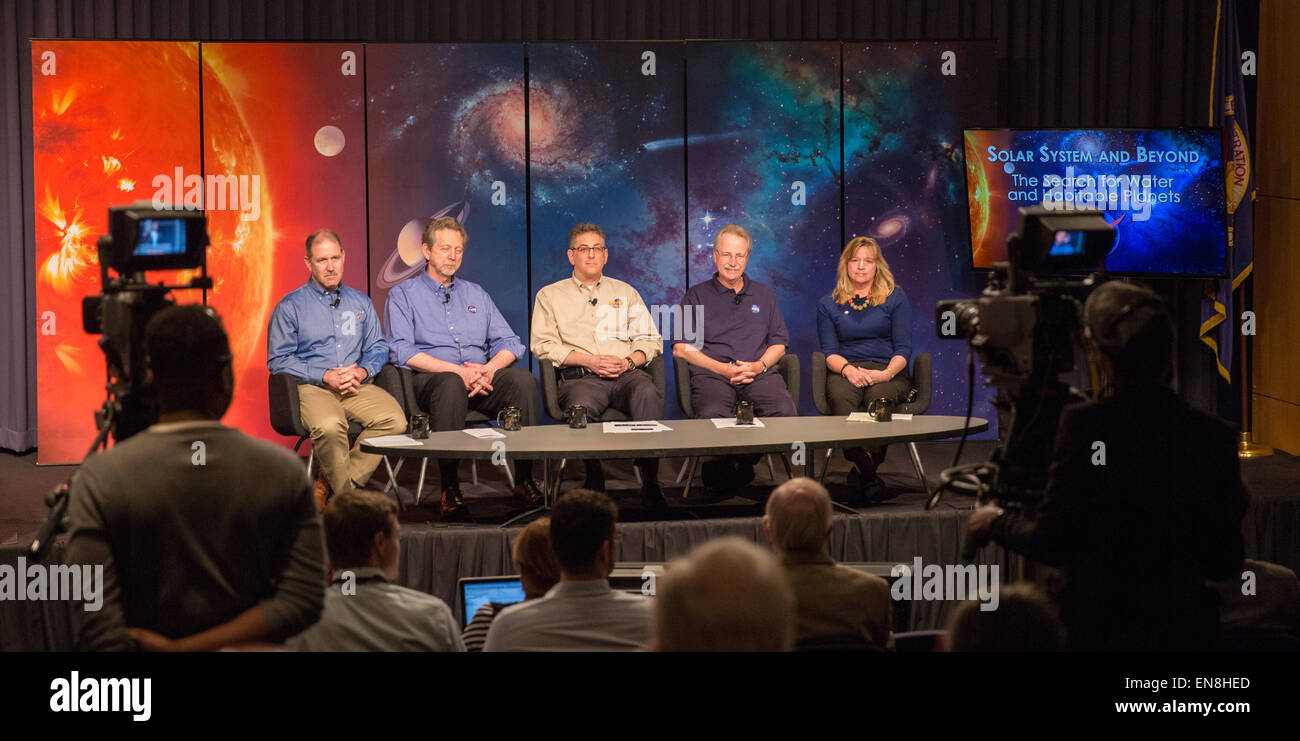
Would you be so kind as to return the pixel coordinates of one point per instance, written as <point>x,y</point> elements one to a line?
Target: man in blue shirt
<point>328,335</point>
<point>451,334</point>
<point>744,336</point>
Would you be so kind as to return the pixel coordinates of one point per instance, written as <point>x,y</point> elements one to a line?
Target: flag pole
<point>1246,448</point>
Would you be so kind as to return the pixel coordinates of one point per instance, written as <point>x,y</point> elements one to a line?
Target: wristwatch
<point>764,365</point>
<point>630,362</point>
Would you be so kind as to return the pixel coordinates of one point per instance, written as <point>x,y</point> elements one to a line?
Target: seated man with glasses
<point>598,333</point>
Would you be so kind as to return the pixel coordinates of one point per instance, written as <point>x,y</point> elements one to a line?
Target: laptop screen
<point>476,592</point>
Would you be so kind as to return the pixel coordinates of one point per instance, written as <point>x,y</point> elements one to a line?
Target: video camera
<point>1024,329</point>
<point>140,238</point>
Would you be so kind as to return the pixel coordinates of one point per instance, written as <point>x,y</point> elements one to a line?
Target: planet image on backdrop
<point>329,140</point>
<point>407,258</point>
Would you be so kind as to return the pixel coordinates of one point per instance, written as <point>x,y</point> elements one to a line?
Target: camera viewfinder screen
<point>1162,190</point>
<point>1067,243</point>
<point>160,237</point>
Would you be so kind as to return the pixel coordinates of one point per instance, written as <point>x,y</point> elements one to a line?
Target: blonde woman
<point>865,328</point>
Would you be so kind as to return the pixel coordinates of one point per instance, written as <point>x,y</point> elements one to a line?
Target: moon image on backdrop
<point>329,140</point>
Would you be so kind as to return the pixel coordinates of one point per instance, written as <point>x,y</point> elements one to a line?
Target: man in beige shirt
<point>599,334</point>
<point>833,602</point>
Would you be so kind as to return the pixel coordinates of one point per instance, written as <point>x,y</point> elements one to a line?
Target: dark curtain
<point>1061,63</point>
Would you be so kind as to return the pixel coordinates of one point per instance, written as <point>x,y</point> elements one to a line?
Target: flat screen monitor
<point>1162,190</point>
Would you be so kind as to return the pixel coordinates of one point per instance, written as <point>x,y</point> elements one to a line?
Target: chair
<point>923,380</point>
<point>398,382</point>
<point>551,396</point>
<point>282,394</point>
<point>787,366</point>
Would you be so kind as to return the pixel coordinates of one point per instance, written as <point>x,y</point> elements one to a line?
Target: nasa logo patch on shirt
<point>754,308</point>
<point>473,309</point>
<point>616,302</point>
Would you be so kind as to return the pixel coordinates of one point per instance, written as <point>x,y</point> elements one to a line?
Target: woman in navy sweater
<point>865,328</point>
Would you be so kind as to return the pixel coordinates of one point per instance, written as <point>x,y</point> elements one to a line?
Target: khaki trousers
<point>326,414</point>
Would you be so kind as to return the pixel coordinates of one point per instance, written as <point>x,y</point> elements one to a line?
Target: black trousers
<point>632,393</point>
<point>845,398</point>
<point>442,397</point>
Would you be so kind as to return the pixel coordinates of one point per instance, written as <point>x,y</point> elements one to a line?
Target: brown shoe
<point>452,503</point>
<point>529,494</point>
<point>321,491</point>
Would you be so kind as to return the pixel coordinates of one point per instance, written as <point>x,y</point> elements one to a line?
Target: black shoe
<point>452,503</point>
<point>595,479</point>
<point>529,493</point>
<point>868,489</point>
<point>652,497</point>
<point>716,474</point>
<point>742,474</point>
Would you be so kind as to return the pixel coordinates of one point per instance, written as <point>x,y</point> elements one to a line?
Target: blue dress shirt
<point>875,333</point>
<point>309,335</point>
<point>458,323</point>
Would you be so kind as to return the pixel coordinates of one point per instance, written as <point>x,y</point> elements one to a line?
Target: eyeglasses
<point>732,257</point>
<point>862,261</point>
<point>588,251</point>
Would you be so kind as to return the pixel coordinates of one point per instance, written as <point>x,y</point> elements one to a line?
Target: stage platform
<point>436,554</point>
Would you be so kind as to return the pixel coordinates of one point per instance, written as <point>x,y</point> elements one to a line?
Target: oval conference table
<point>691,438</point>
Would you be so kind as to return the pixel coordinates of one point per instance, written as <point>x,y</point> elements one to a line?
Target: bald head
<point>727,595</point>
<point>798,516</point>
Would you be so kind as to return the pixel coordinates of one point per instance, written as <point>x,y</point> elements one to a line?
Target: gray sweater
<point>195,523</point>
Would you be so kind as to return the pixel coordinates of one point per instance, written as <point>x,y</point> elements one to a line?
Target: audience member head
<point>582,534</point>
<point>361,530</point>
<point>535,559</point>
<point>1130,326</point>
<point>726,595</point>
<point>189,357</point>
<point>1024,621</point>
<point>798,516</point>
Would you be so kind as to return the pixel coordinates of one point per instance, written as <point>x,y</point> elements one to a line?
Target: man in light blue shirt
<point>582,612</point>
<point>364,611</point>
<point>451,334</point>
<point>328,336</point>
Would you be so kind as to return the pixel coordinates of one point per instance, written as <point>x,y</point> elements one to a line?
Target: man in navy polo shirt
<point>744,337</point>
<point>328,335</point>
<point>449,331</point>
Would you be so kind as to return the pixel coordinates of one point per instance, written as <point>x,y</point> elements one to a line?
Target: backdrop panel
<point>607,147</point>
<point>284,132</point>
<point>905,182</point>
<point>108,117</point>
<point>763,151</point>
<point>446,137</point>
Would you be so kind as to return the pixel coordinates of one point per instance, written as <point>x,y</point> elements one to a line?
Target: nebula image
<point>606,161</point>
<point>905,184</point>
<point>777,172</point>
<point>447,142</point>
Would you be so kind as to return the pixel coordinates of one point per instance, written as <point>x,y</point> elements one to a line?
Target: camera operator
<point>208,537</point>
<point>1144,497</point>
